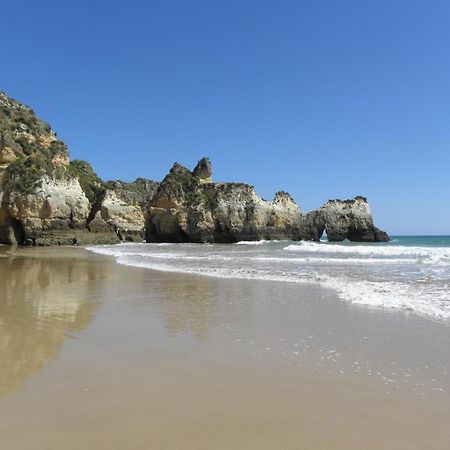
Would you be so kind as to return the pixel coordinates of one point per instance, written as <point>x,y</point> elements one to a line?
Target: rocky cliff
<point>120,209</point>
<point>47,199</point>
<point>189,207</point>
<point>342,219</point>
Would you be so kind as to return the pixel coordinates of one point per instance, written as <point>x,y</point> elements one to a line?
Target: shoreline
<point>210,361</point>
<point>359,290</point>
<point>65,250</point>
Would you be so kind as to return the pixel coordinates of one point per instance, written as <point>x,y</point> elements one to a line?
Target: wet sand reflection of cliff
<point>199,304</point>
<point>42,300</point>
<point>185,305</point>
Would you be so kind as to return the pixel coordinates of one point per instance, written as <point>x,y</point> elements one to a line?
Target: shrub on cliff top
<point>182,184</point>
<point>24,133</point>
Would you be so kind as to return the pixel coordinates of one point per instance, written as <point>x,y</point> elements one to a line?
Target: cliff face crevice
<point>47,199</point>
<point>12,231</point>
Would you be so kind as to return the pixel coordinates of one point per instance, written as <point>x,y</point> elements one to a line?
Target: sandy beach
<point>97,355</point>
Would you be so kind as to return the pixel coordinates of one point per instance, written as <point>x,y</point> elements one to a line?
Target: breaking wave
<point>414,278</point>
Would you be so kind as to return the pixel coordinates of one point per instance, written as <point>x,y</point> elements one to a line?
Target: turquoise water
<point>409,272</point>
<point>409,241</point>
<point>421,241</point>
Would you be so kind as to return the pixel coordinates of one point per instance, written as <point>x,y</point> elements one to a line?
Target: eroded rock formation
<point>203,170</point>
<point>120,210</point>
<point>47,199</point>
<point>188,209</point>
<point>342,219</point>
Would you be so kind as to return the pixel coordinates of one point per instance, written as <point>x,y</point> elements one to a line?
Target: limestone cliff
<point>38,191</point>
<point>121,209</point>
<point>342,219</point>
<point>47,199</point>
<point>188,207</point>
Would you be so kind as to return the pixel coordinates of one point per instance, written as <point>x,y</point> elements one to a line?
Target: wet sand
<point>95,355</point>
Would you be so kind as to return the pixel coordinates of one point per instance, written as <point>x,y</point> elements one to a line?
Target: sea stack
<point>342,219</point>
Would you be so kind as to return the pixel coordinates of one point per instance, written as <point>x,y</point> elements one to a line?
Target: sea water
<point>409,272</point>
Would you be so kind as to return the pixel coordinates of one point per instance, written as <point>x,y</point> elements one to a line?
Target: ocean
<point>409,272</point>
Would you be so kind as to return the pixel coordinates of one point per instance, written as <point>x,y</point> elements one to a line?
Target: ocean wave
<point>392,295</point>
<point>365,280</point>
<point>253,242</point>
<point>431,255</point>
<point>178,256</point>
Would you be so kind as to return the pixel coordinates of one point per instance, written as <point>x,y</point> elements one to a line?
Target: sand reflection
<point>185,305</point>
<point>41,302</point>
<point>200,305</point>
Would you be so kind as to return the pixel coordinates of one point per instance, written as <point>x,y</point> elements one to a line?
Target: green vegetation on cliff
<point>25,173</point>
<point>89,181</point>
<point>23,134</point>
<point>28,147</point>
<point>138,192</point>
<point>182,184</point>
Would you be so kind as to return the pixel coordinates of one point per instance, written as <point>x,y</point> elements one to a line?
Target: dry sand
<point>94,355</point>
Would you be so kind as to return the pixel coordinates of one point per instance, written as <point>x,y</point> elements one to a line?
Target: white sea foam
<point>268,259</point>
<point>392,295</point>
<point>253,242</point>
<point>412,278</point>
<point>427,254</point>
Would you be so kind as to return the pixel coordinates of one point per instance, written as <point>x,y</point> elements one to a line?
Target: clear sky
<point>324,99</point>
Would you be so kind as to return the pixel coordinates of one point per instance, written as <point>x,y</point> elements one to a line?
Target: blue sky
<point>324,99</point>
